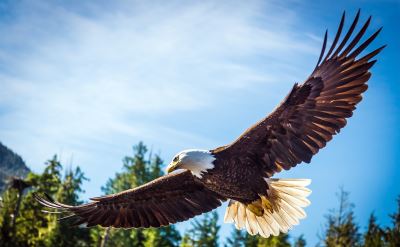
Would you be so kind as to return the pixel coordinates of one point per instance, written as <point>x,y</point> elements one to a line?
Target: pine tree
<point>63,234</point>
<point>341,227</point>
<point>236,239</point>
<point>9,202</point>
<point>282,240</point>
<point>204,232</point>
<point>50,180</point>
<point>164,236</point>
<point>393,233</point>
<point>374,235</point>
<point>134,173</point>
<point>137,170</point>
<point>20,185</point>
<point>241,238</point>
<point>33,226</point>
<point>187,240</point>
<point>300,242</point>
<point>11,208</point>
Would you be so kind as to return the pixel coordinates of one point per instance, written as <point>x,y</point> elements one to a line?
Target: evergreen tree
<point>300,242</point>
<point>137,170</point>
<point>23,223</point>
<point>33,226</point>
<point>241,238</point>
<point>341,227</point>
<point>164,236</point>
<point>282,240</point>
<point>236,239</point>
<point>186,240</point>
<point>204,232</point>
<point>63,234</point>
<point>9,202</point>
<point>50,181</point>
<point>20,185</point>
<point>392,235</point>
<point>11,207</point>
<point>374,235</point>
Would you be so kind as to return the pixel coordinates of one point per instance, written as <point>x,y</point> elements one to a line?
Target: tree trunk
<point>105,238</point>
<point>16,212</point>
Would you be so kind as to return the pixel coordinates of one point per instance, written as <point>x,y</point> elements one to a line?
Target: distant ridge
<point>11,164</point>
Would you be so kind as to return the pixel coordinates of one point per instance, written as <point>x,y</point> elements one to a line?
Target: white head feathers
<point>195,160</point>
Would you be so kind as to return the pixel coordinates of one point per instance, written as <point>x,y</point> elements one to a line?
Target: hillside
<point>11,164</point>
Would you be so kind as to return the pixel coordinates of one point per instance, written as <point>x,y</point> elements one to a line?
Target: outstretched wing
<point>163,201</point>
<point>312,112</point>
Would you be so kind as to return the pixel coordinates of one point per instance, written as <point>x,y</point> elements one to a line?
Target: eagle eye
<point>176,158</point>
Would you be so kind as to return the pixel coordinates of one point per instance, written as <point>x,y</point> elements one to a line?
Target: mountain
<point>11,164</point>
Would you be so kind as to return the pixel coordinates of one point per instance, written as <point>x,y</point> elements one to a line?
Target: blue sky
<point>87,80</point>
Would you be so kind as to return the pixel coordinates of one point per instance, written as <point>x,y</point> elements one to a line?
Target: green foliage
<point>63,234</point>
<point>204,232</point>
<point>137,170</point>
<point>165,236</point>
<point>9,202</point>
<point>23,223</point>
<point>393,234</point>
<point>341,227</point>
<point>34,227</point>
<point>374,237</point>
<point>300,242</point>
<point>241,238</point>
<point>279,241</point>
<point>186,240</point>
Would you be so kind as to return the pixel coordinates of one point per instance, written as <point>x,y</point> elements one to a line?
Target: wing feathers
<point>371,55</point>
<point>356,39</point>
<point>323,48</point>
<point>313,111</point>
<point>338,33</point>
<point>169,199</point>
<point>357,51</point>
<point>344,41</point>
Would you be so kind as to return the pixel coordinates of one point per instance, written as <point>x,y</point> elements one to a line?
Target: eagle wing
<point>312,112</point>
<point>163,201</point>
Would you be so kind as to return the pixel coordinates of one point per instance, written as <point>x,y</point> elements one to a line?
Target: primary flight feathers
<point>163,201</point>
<point>297,129</point>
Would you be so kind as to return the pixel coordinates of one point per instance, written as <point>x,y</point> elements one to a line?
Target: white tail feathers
<point>287,196</point>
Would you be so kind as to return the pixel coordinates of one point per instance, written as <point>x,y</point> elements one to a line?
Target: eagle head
<point>194,160</point>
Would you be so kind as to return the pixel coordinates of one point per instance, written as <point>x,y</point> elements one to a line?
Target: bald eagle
<point>198,181</point>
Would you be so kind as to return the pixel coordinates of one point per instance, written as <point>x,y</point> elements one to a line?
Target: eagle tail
<point>280,210</point>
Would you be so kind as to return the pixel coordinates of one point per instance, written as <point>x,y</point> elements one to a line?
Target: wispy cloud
<point>93,79</point>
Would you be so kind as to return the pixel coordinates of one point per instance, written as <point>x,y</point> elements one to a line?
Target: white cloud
<point>91,81</point>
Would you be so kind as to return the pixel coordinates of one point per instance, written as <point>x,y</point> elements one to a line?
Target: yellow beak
<point>171,167</point>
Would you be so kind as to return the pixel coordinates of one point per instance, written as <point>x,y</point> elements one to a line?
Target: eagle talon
<point>267,204</point>
<point>256,208</point>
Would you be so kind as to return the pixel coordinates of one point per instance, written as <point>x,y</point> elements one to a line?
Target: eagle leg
<point>256,207</point>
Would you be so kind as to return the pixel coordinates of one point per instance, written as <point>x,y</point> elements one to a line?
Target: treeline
<point>23,222</point>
